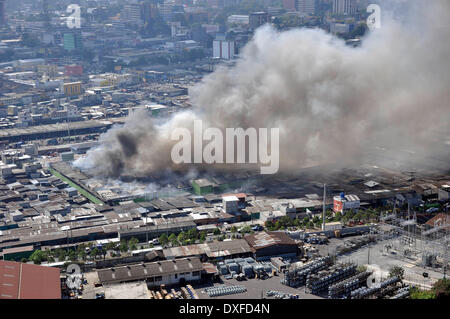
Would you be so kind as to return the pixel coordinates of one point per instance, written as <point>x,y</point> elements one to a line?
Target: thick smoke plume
<point>331,102</point>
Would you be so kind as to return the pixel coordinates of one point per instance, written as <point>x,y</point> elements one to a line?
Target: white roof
<point>371,183</point>
<point>230,199</point>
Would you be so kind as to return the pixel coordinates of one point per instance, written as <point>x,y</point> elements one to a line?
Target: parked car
<point>100,295</point>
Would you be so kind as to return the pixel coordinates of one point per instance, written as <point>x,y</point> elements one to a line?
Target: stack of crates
<point>247,270</point>
<point>233,268</point>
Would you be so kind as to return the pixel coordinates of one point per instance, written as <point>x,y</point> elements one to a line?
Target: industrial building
<point>344,202</point>
<point>17,253</point>
<point>266,245</point>
<point>25,281</point>
<point>169,272</point>
<point>211,251</point>
<point>142,233</point>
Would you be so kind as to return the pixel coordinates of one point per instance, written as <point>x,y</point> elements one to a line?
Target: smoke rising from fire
<point>331,102</point>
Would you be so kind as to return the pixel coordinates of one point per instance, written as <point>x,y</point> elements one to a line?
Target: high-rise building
<point>307,6</point>
<point>344,6</point>
<point>290,5</point>
<point>149,11</point>
<point>2,12</point>
<point>257,19</point>
<point>223,48</point>
<point>131,13</point>
<point>73,40</point>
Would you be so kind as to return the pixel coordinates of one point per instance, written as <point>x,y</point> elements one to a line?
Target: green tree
<point>38,256</point>
<point>123,247</point>
<point>216,231</point>
<point>278,225</point>
<point>110,246</point>
<point>72,255</point>
<point>61,254</point>
<point>163,239</point>
<point>192,233</point>
<point>104,252</point>
<point>202,236</point>
<point>132,243</point>
<point>82,255</point>
<point>441,288</point>
<point>95,252</point>
<point>181,237</point>
<point>305,221</point>
<point>172,237</point>
<point>396,271</point>
<point>233,229</point>
<point>316,220</point>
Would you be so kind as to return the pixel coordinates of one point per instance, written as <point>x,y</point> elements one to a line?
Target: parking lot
<point>89,289</point>
<point>256,289</point>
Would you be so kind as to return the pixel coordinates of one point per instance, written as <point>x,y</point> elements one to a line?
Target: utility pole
<point>146,231</point>
<point>368,252</point>
<point>323,209</point>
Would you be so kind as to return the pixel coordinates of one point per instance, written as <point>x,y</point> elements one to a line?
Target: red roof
<point>25,281</point>
<point>438,220</point>
<point>9,279</point>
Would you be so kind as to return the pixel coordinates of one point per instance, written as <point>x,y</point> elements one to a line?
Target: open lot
<point>90,290</point>
<point>132,290</point>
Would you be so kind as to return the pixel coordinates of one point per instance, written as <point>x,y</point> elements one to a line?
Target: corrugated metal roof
<point>25,281</point>
<point>147,270</point>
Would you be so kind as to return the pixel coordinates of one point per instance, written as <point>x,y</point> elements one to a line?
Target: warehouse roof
<point>148,270</point>
<point>25,281</point>
<point>227,248</point>
<point>267,239</point>
<point>215,249</point>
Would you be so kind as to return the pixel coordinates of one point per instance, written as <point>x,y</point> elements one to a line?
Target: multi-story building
<point>257,19</point>
<point>307,6</point>
<point>72,89</point>
<point>223,48</point>
<point>344,6</point>
<point>73,41</point>
<point>290,5</point>
<point>132,13</point>
<point>344,202</point>
<point>2,12</point>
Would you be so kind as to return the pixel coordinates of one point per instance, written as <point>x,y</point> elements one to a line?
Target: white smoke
<point>331,102</point>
